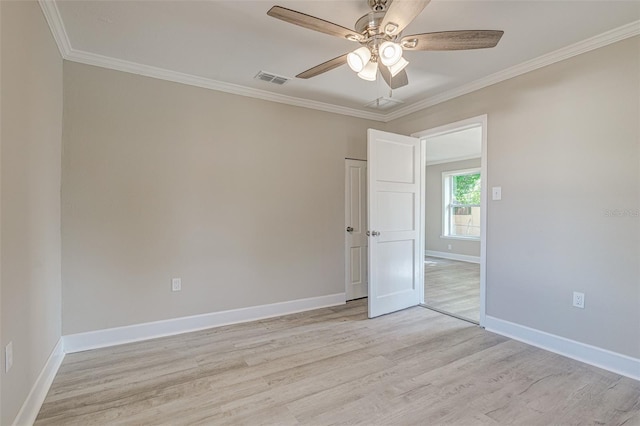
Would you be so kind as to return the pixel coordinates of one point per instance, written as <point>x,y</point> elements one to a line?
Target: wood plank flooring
<point>334,366</point>
<point>452,286</point>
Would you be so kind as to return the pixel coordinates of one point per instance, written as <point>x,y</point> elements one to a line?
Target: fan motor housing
<point>369,24</point>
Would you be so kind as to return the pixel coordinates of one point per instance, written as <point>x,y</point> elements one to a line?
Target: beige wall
<point>31,85</point>
<point>241,198</point>
<point>434,211</point>
<point>564,144</point>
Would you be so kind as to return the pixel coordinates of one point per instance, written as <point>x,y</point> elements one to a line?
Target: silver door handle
<point>349,229</point>
<point>374,233</point>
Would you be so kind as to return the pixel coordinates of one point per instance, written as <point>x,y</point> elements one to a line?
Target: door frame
<point>443,130</point>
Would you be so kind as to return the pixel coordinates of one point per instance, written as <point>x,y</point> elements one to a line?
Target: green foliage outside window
<point>466,189</point>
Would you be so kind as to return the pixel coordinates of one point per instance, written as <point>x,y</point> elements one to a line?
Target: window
<point>461,190</point>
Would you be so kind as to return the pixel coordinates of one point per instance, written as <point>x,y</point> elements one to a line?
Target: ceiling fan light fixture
<point>390,53</point>
<point>398,66</point>
<point>359,58</point>
<point>369,72</point>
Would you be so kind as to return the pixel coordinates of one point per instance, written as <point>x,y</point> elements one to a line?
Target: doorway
<point>455,219</point>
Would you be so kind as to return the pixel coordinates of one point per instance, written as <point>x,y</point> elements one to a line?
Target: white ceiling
<point>225,43</point>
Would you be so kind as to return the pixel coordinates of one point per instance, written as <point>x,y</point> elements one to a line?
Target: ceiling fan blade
<point>395,82</point>
<point>400,14</point>
<point>324,67</point>
<point>313,23</point>
<point>452,40</point>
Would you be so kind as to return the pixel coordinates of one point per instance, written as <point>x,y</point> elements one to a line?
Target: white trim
<point>220,86</point>
<point>458,126</point>
<point>484,213</point>
<point>53,18</point>
<point>461,172</point>
<point>423,214</point>
<point>31,406</point>
<point>151,330</point>
<point>52,15</point>
<point>602,358</point>
<point>459,238</point>
<point>617,34</point>
<point>452,256</point>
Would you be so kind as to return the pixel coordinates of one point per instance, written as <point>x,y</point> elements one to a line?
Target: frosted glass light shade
<point>369,72</point>
<point>399,66</point>
<point>390,53</point>
<point>359,58</point>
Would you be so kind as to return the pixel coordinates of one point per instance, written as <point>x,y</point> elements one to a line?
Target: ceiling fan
<point>380,34</point>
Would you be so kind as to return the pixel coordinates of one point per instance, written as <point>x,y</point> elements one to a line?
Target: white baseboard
<point>31,406</point>
<point>151,330</point>
<point>602,358</point>
<point>452,256</point>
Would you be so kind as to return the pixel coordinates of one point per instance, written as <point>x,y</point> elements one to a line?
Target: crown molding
<point>52,15</point>
<point>192,80</point>
<point>601,40</point>
<point>53,18</point>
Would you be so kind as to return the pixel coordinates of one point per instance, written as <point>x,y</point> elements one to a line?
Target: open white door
<point>394,203</point>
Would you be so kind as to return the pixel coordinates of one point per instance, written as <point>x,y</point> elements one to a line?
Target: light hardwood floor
<point>452,286</point>
<point>334,366</point>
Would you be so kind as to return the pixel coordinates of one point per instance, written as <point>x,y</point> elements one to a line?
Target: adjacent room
<point>453,212</point>
<point>232,212</point>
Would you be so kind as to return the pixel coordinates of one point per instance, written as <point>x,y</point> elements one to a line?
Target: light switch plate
<point>496,193</point>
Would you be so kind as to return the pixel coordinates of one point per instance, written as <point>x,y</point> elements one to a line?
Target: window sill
<point>449,237</point>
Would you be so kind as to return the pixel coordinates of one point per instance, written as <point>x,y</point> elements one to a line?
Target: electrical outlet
<point>578,300</point>
<point>176,284</point>
<point>8,357</point>
<point>449,246</point>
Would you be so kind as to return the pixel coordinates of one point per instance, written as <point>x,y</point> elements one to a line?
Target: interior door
<point>356,229</point>
<point>394,193</point>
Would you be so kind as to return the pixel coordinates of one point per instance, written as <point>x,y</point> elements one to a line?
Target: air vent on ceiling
<point>384,103</point>
<point>271,78</point>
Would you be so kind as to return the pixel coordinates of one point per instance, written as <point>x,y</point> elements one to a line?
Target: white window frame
<point>446,202</point>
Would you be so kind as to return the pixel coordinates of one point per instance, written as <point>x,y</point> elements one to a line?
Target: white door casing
<point>355,229</point>
<point>394,193</point>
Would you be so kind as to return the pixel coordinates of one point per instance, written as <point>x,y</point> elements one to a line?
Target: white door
<point>394,192</point>
<point>356,228</point>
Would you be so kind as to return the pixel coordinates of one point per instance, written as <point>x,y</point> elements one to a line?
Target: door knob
<point>375,233</point>
<point>349,229</point>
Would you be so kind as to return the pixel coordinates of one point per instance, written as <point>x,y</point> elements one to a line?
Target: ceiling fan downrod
<point>378,5</point>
